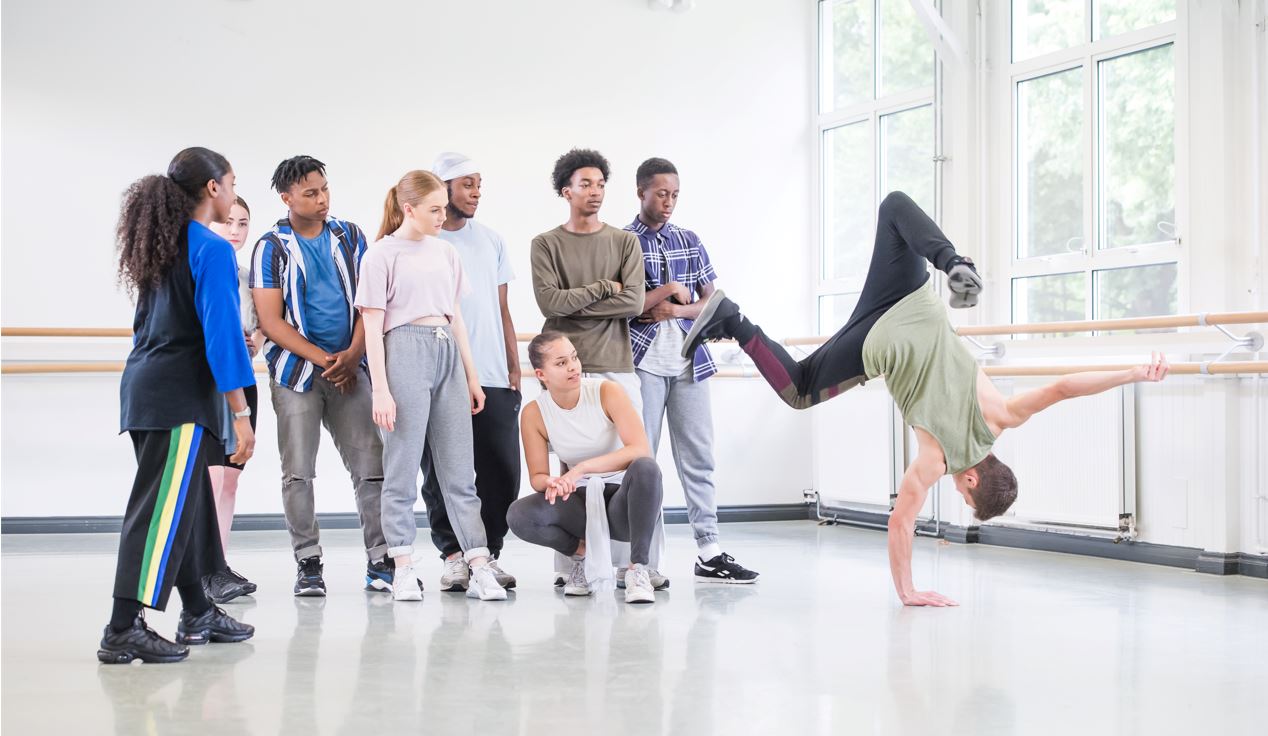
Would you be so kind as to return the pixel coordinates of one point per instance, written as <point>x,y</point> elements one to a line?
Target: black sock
<point>124,613</point>
<point>193,599</point>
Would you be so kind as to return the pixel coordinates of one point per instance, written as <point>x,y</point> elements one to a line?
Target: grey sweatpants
<point>691,440</point>
<point>433,409</point>
<point>348,418</point>
<point>633,512</point>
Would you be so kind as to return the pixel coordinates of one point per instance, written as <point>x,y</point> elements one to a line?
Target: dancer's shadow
<point>299,690</point>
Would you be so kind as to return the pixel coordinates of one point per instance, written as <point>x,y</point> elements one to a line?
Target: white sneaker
<point>457,574</point>
<point>638,586</point>
<point>484,585</point>
<point>405,585</point>
<point>505,579</point>
<point>577,583</point>
<point>659,582</point>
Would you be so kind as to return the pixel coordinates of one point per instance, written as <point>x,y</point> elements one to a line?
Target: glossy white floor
<point>1043,643</point>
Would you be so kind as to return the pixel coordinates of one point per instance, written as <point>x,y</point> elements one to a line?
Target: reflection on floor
<point>1042,643</point>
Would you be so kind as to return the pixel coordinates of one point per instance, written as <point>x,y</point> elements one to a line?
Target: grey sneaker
<point>638,586</point>
<point>457,575</point>
<point>965,284</point>
<point>577,583</point>
<point>659,582</point>
<point>484,585</point>
<point>505,579</point>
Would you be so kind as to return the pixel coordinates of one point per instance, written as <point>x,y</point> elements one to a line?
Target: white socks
<point>709,550</point>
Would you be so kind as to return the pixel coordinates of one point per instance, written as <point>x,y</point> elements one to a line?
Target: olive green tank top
<point>931,376</point>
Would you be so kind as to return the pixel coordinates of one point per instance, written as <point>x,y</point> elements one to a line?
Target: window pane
<point>847,200</point>
<point>847,44</point>
<point>1050,163</point>
<point>1143,291</point>
<point>834,310</point>
<point>1120,16</point>
<point>1042,26</point>
<point>1054,298</point>
<point>907,155</point>
<point>906,58</point>
<point>1138,148</point>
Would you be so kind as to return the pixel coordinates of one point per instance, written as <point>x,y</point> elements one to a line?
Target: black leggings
<point>633,508</point>
<point>905,239</point>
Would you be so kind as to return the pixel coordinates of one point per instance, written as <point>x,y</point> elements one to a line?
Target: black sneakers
<point>711,324</point>
<point>964,282</point>
<point>723,569</point>
<point>211,625</point>
<point>138,641</point>
<point>308,580</point>
<point>223,586</point>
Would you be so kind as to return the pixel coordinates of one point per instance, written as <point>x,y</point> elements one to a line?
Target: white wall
<point>97,94</point>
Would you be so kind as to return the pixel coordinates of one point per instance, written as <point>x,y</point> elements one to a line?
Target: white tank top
<point>582,432</point>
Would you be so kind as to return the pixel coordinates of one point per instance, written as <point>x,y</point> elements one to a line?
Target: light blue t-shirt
<point>326,317</point>
<point>486,266</point>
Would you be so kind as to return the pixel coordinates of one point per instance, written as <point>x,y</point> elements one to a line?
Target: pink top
<point>411,279</point>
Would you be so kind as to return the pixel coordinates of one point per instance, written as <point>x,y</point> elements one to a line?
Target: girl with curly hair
<point>188,357</point>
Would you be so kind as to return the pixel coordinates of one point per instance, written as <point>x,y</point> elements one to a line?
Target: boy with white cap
<point>495,430</point>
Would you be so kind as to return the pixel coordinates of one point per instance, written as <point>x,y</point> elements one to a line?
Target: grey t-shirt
<point>487,266</point>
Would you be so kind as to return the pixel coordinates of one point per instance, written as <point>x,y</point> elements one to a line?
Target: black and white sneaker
<point>211,625</point>
<point>308,580</point>
<point>723,569</point>
<point>138,641</point>
<point>712,324</point>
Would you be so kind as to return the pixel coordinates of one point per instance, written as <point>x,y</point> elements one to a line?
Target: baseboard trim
<point>1189,558</point>
<point>348,520</point>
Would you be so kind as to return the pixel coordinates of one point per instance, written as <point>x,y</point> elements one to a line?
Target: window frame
<point>1092,259</point>
<point>871,112</point>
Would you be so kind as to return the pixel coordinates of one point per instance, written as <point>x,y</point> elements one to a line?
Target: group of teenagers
<point>405,351</point>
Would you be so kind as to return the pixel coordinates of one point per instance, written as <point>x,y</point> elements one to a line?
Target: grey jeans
<point>348,419</point>
<point>433,409</point>
<point>691,440</point>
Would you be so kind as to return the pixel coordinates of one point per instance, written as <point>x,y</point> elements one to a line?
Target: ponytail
<point>411,190</point>
<point>393,216</point>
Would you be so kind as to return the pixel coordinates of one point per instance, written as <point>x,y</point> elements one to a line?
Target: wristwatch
<point>242,414</point>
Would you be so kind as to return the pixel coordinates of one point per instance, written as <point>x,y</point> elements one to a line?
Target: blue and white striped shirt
<point>278,263</point>
<point>671,254</point>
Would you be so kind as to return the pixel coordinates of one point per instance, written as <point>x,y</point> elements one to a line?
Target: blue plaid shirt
<point>671,254</point>
<point>278,263</point>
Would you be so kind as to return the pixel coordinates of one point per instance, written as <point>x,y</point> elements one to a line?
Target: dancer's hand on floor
<point>927,598</point>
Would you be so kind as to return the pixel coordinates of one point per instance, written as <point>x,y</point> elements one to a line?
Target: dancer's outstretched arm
<point>928,466</point>
<point>1025,405</point>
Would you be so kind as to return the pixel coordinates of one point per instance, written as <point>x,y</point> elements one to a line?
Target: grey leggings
<point>633,508</point>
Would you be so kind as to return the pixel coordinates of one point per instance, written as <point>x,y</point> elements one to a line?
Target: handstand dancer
<point>899,331</point>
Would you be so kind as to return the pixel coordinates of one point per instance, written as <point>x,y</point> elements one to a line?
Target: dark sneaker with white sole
<point>138,641</point>
<point>965,284</point>
<point>717,317</point>
<point>308,579</point>
<point>212,625</point>
<point>724,569</point>
<point>247,585</point>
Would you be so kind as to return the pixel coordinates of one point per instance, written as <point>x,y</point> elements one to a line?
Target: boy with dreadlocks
<point>303,281</point>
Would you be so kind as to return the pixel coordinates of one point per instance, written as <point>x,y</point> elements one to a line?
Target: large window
<point>878,130</point>
<point>1093,89</point>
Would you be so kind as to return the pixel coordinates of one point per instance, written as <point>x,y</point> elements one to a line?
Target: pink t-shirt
<point>411,279</point>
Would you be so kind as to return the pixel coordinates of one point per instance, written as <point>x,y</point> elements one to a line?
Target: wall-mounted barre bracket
<point>1251,342</point>
<point>994,351</point>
